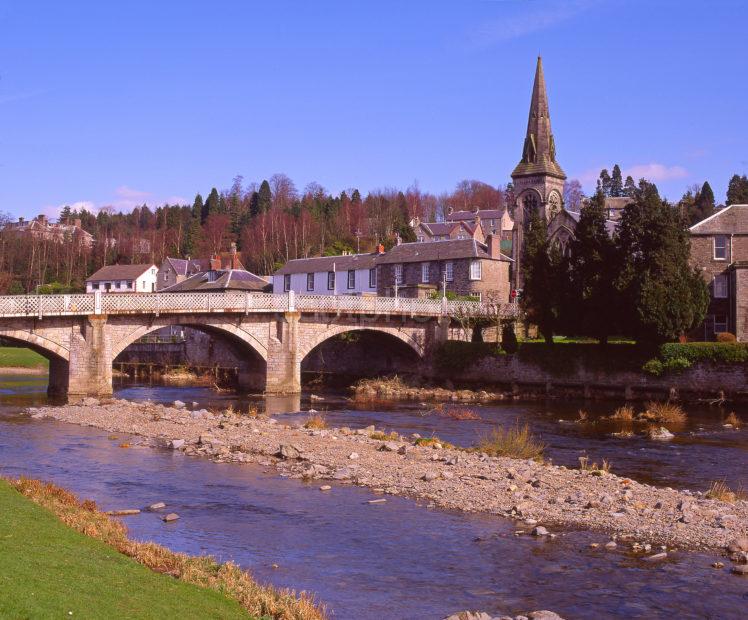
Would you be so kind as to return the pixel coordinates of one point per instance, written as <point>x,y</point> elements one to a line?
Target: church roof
<point>539,152</point>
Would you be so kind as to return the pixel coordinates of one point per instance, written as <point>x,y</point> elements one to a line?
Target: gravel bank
<point>525,490</point>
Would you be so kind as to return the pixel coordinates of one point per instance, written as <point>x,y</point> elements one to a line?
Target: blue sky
<point>110,103</point>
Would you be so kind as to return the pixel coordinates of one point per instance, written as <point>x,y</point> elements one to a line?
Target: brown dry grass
<point>623,414</point>
<point>431,441</point>
<point>585,465</point>
<point>668,414</point>
<point>460,413</point>
<point>381,384</point>
<point>582,416</point>
<point>517,442</point>
<point>316,422</point>
<point>733,419</point>
<point>382,436</point>
<point>719,490</point>
<point>203,571</point>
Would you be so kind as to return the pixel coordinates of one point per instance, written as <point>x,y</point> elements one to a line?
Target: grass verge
<point>18,357</point>
<point>49,570</point>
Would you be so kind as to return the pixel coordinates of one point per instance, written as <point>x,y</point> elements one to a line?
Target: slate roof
<point>119,272</point>
<point>732,219</point>
<point>342,262</point>
<point>485,214</point>
<point>436,250</point>
<point>219,280</point>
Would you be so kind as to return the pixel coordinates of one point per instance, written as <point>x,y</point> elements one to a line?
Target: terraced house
<point>719,248</point>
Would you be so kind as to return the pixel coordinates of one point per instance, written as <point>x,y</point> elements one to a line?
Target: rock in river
<point>288,452</point>
<point>172,516</point>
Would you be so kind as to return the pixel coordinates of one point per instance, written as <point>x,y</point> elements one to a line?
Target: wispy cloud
<point>533,17</point>
<point>125,199</point>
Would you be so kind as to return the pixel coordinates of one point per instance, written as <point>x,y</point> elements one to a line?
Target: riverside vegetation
<point>106,574</point>
<point>427,468</point>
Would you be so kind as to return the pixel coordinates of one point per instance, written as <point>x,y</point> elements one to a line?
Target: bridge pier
<point>90,367</point>
<point>283,363</point>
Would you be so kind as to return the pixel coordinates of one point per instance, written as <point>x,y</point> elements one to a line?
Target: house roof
<point>219,280</point>
<point>342,262</point>
<point>436,250</point>
<point>485,214</point>
<point>438,228</point>
<point>732,219</point>
<point>617,202</point>
<point>119,272</point>
<point>187,267</point>
<point>610,225</point>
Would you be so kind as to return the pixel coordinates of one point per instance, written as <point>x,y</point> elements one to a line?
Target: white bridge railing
<point>239,302</point>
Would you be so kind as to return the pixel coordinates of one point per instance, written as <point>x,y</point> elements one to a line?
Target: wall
<point>578,379</point>
<point>299,283</point>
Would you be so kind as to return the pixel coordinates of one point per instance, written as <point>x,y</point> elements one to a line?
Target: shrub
<point>733,420</point>
<point>676,365</point>
<point>719,490</point>
<point>625,413</point>
<point>316,422</point>
<point>665,413</point>
<point>654,367</point>
<point>509,338</point>
<point>728,352</point>
<point>516,442</point>
<point>585,465</point>
<point>432,441</point>
<point>726,337</point>
<point>381,436</point>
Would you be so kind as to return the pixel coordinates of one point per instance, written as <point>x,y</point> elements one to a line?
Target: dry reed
<point>516,442</point>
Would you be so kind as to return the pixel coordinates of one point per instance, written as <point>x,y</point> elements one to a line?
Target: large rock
<point>178,404</point>
<point>660,434</point>
<point>389,446</point>
<point>739,544</point>
<point>176,444</point>
<point>469,615</point>
<point>287,451</point>
<point>544,614</point>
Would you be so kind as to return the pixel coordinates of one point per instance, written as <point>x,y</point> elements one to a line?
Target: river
<point>395,560</point>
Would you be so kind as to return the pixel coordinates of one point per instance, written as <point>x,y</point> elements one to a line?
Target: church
<point>538,186</point>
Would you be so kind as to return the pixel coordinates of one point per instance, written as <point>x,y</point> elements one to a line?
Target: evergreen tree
<point>356,197</point>
<point>213,205</point>
<point>197,207</point>
<point>629,187</point>
<point>254,204</point>
<point>616,182</point>
<point>544,275</point>
<point>604,182</point>
<point>593,307</point>
<point>264,198</point>
<point>703,204</point>
<point>662,296</point>
<point>192,238</point>
<point>737,190</point>
<point>65,214</point>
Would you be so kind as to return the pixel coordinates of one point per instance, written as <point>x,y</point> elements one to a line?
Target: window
<point>95,286</point>
<point>129,284</point>
<point>720,323</point>
<point>351,278</point>
<point>310,281</point>
<point>287,282</point>
<point>398,274</point>
<point>720,247</point>
<point>425,272</point>
<point>719,286</point>
<point>449,271</point>
<point>330,280</point>
<point>373,277</point>
<point>475,270</point>
<point>153,272</point>
<point>421,239</point>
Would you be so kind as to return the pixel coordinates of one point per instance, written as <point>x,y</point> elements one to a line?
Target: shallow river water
<point>394,560</point>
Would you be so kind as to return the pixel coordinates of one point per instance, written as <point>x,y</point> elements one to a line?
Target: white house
<point>123,279</point>
<point>348,274</point>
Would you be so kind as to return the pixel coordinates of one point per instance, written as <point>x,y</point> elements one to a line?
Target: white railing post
<point>39,307</point>
<point>444,305</point>
<point>97,302</point>
<point>291,301</point>
<point>246,303</point>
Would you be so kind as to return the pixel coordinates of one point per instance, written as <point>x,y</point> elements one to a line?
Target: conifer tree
<point>197,207</point>
<point>737,190</point>
<point>616,182</point>
<point>212,205</point>
<point>264,198</point>
<point>604,182</point>
<point>662,296</point>
<point>629,187</point>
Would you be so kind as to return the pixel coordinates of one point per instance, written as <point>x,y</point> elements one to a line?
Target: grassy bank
<point>59,555</point>
<point>14,357</point>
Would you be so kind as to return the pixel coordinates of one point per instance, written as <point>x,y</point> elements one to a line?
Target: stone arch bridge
<point>82,334</point>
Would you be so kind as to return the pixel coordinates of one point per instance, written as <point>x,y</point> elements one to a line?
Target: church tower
<point>538,179</point>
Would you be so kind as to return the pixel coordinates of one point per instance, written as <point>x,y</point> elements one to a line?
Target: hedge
<point>726,352</point>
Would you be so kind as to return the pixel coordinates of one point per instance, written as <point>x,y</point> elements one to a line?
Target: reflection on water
<point>395,560</point>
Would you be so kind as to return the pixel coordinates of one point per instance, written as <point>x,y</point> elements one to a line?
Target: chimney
<point>380,248</point>
<point>215,262</point>
<point>41,218</point>
<point>234,257</point>
<point>493,241</point>
<point>20,220</point>
<point>77,222</point>
<point>398,239</point>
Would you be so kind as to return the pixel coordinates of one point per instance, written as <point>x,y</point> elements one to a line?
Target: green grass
<point>21,358</point>
<point>48,570</point>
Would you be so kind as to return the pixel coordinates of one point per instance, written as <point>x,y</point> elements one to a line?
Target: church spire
<point>539,152</point>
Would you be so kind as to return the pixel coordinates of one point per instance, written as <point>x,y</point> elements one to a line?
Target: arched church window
<point>529,206</point>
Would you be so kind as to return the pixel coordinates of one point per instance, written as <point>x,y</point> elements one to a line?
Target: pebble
<point>611,545</point>
<point>377,501</point>
<point>740,569</point>
<point>325,487</point>
<point>157,506</point>
<point>429,476</point>
<point>353,456</point>
<point>540,531</point>
<point>172,516</point>
<point>656,557</point>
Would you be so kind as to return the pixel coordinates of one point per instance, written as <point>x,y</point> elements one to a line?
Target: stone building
<point>63,231</point>
<point>176,270</point>
<point>719,248</point>
<point>465,267</point>
<point>441,231</point>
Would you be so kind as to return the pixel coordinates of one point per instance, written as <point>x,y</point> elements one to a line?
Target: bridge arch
<point>233,332</point>
<point>44,346</point>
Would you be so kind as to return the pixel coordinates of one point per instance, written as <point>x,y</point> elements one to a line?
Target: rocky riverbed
<point>541,497</point>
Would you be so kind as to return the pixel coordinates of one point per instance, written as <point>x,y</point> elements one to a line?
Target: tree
<point>592,271</point>
<point>545,272</point>
<point>213,205</point>
<point>65,213</point>
<point>616,182</point>
<point>573,195</point>
<point>604,182</point>
<point>662,296</point>
<point>697,203</point>
<point>264,198</point>
<point>737,190</point>
<point>197,207</point>
<point>629,187</point>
